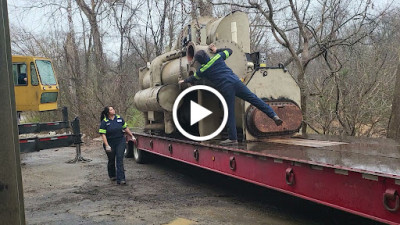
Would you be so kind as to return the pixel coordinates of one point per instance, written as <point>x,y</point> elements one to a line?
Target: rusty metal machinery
<point>159,88</point>
<point>259,125</point>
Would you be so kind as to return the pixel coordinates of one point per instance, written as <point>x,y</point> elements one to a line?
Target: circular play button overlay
<point>199,112</point>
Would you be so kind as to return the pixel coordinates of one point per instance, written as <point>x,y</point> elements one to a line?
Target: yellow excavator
<point>36,87</point>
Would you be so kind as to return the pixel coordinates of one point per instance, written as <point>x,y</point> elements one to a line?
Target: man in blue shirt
<point>229,85</point>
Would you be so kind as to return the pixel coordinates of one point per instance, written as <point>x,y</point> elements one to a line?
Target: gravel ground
<point>162,192</point>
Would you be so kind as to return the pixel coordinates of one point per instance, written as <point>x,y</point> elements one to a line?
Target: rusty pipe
<point>157,63</point>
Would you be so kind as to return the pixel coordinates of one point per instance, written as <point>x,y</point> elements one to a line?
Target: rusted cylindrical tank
<point>170,72</point>
<point>157,99</point>
<point>174,70</point>
<point>233,27</point>
<point>259,125</point>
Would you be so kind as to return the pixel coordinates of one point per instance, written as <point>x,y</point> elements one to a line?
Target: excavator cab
<point>36,87</point>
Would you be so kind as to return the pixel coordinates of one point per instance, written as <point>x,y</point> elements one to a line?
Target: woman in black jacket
<point>111,131</point>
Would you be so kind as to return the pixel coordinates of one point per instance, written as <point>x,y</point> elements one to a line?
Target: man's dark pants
<point>240,90</point>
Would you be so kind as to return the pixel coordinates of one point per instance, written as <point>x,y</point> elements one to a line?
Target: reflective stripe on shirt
<point>205,67</point>
<point>196,76</point>
<point>226,54</point>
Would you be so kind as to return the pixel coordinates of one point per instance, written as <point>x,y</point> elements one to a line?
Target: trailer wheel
<point>140,156</point>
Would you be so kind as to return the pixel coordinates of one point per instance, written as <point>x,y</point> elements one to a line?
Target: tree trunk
<point>121,51</point>
<point>394,122</point>
<point>72,56</point>
<point>91,15</point>
<point>205,7</point>
<point>303,100</point>
<point>160,47</point>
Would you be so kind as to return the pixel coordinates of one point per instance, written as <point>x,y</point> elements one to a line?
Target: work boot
<point>122,182</point>
<point>277,120</point>
<point>228,142</point>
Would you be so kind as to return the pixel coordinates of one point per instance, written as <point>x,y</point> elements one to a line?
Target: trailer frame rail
<point>365,193</point>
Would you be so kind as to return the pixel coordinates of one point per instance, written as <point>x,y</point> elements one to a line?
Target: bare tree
<point>307,35</point>
<point>394,124</point>
<point>172,23</point>
<point>360,95</point>
<point>351,87</point>
<point>158,32</point>
<point>394,121</point>
<point>92,14</point>
<point>124,16</point>
<point>205,7</point>
<point>73,63</point>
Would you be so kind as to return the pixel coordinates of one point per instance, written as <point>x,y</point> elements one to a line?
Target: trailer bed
<point>380,156</point>
<point>357,175</point>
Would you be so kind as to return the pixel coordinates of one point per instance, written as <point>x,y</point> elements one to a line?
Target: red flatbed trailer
<point>357,175</point>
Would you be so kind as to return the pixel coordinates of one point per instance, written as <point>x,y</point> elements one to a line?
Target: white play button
<point>197,112</point>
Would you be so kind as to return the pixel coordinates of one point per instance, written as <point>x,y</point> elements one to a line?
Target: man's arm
<point>196,76</point>
<point>227,52</point>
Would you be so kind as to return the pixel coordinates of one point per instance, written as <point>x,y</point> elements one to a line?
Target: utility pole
<point>11,194</point>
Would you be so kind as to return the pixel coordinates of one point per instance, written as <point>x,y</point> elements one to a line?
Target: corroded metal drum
<point>259,124</point>
<point>157,99</point>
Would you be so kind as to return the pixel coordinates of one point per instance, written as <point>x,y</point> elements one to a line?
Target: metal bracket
<point>232,163</point>
<point>391,195</point>
<point>289,176</point>
<point>196,154</point>
<point>170,148</point>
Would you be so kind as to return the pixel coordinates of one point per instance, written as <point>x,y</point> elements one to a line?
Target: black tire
<point>140,156</point>
<point>129,149</point>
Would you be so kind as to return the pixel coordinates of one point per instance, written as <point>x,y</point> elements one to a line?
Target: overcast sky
<point>39,20</point>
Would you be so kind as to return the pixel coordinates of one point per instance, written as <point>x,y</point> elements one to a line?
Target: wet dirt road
<point>162,192</point>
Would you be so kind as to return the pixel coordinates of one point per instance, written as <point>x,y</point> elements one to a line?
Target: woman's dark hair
<point>105,113</point>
